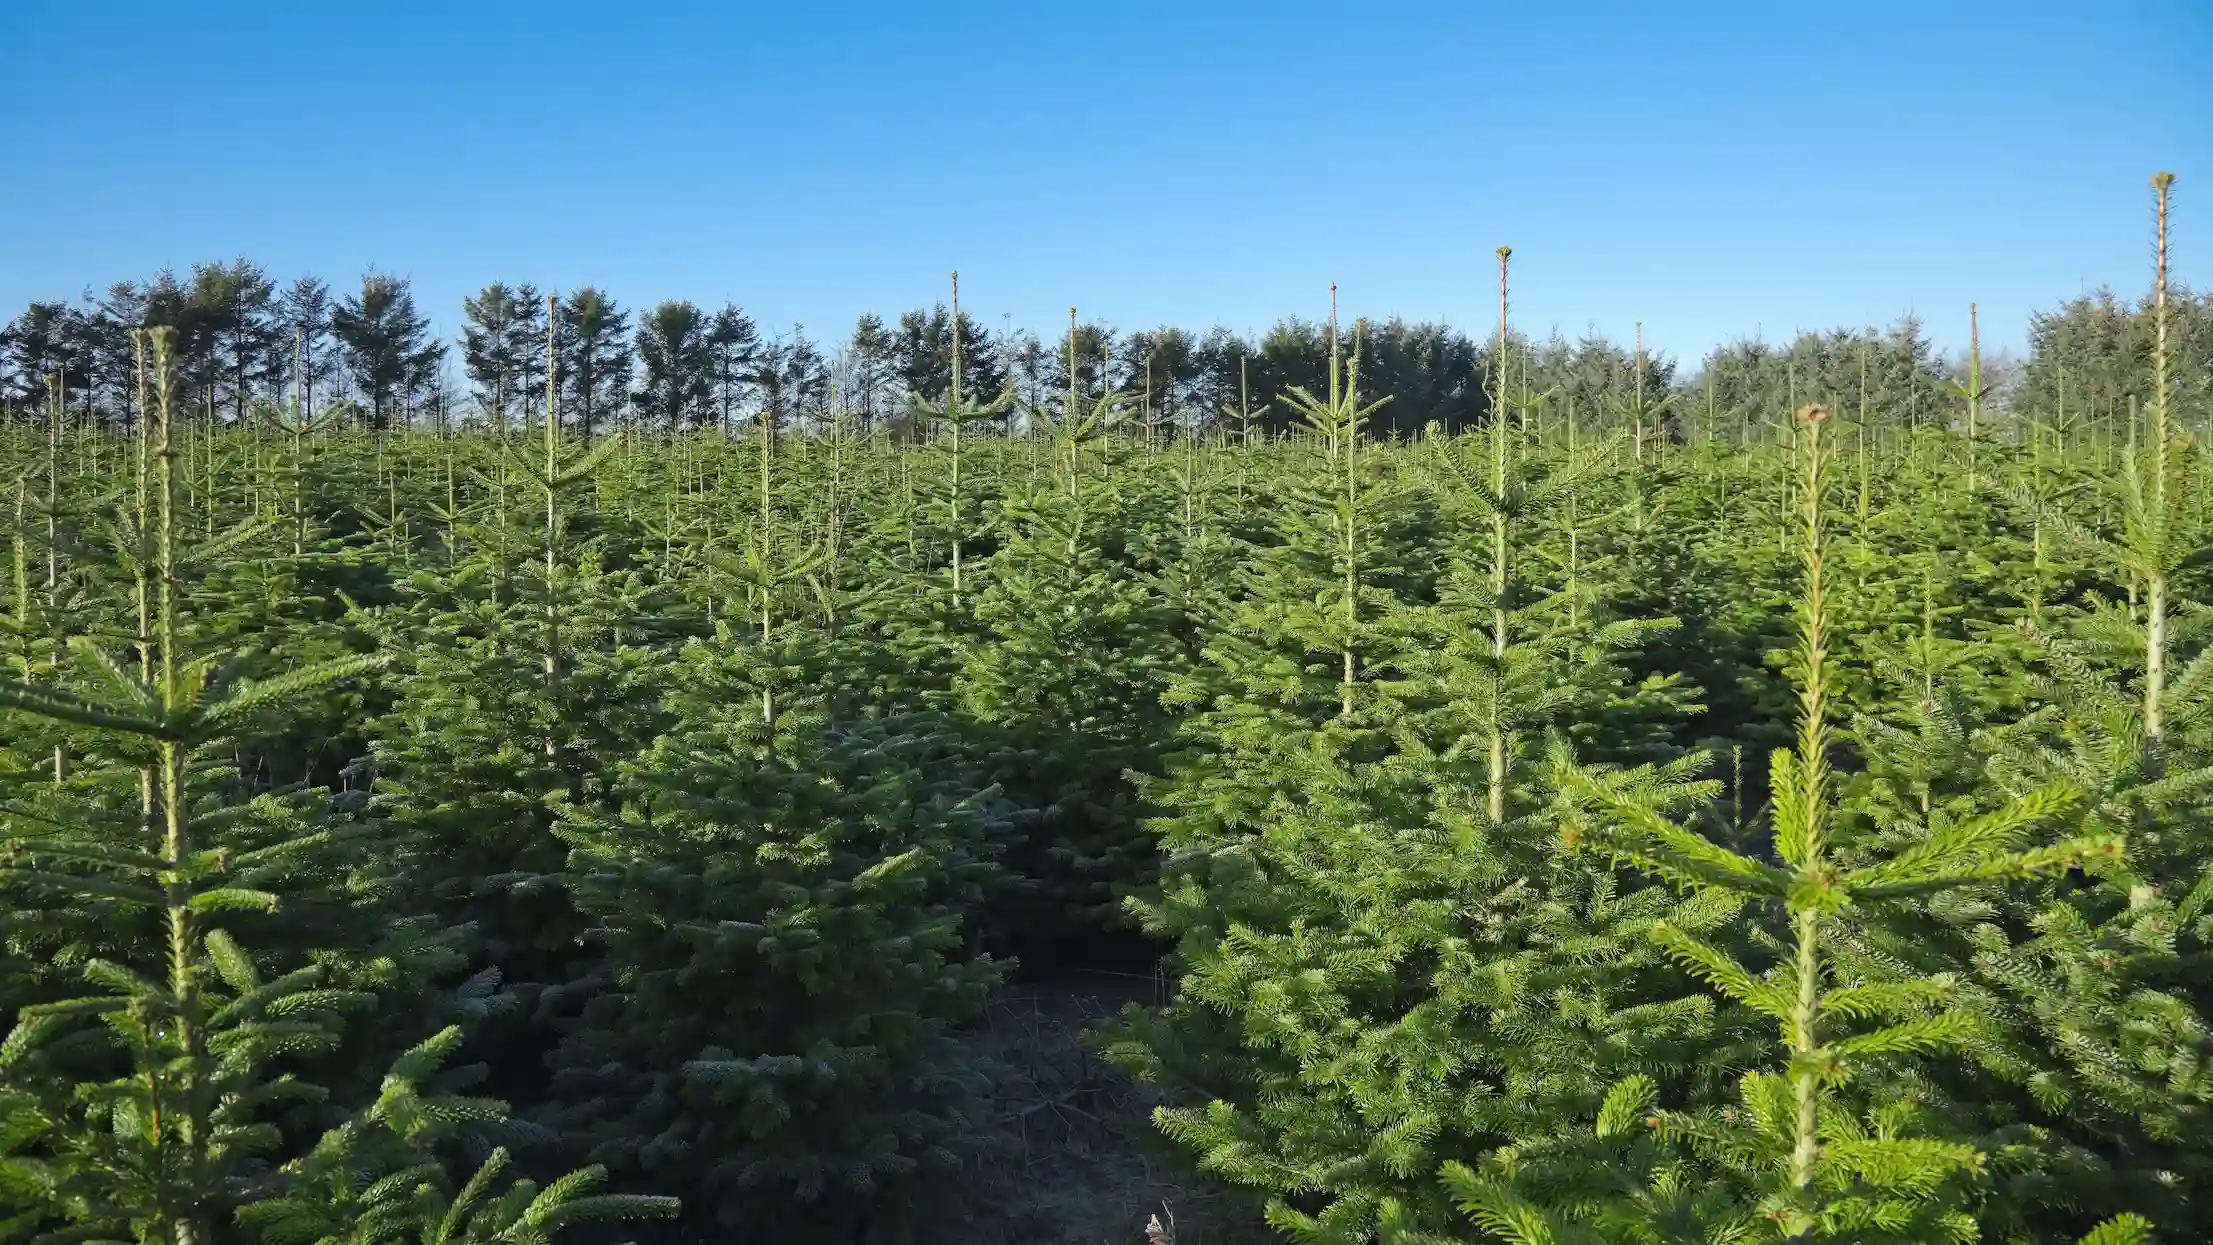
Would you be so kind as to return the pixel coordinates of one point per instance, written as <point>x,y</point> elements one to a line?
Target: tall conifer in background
<point>503,347</point>
<point>386,346</point>
<point>676,352</point>
<point>593,355</point>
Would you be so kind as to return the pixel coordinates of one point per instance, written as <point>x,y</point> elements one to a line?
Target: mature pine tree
<point>1431,372</point>
<point>1030,372</point>
<point>1889,378</point>
<point>503,336</point>
<point>924,348</point>
<point>1160,367</point>
<point>1089,350</point>
<point>304,309</point>
<point>108,350</point>
<point>1224,378</point>
<point>733,356</point>
<point>870,359</point>
<point>594,356</point>
<point>676,355</point>
<point>792,380</point>
<point>236,334</point>
<point>1291,355</point>
<point>1605,383</point>
<point>2090,355</point>
<point>38,344</point>
<point>387,347</point>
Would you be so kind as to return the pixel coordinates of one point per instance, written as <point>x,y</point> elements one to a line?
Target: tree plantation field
<point>1375,783</point>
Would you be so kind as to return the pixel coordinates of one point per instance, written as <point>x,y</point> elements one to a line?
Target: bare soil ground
<point>1077,1160</point>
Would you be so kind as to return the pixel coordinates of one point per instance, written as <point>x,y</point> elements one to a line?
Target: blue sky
<point>1711,169</point>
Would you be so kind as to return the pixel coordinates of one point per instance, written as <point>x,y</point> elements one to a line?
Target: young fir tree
<point>1068,668</point>
<point>156,1105</point>
<point>1390,965</point>
<point>777,889</point>
<point>2098,1056</point>
<point>1827,1146</point>
<point>931,622</point>
<point>780,949</point>
<point>1064,677</point>
<point>513,690</point>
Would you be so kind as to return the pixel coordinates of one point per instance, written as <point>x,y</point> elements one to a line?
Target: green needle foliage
<point>1796,1156</point>
<point>701,756</point>
<point>160,1095</point>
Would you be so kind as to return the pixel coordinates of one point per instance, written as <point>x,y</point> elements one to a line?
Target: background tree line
<point>245,338</point>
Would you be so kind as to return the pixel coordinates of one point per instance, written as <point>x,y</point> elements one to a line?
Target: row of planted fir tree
<point>391,823</point>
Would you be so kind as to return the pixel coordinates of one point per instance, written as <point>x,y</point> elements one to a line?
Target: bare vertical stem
<point>1496,803</point>
<point>956,417</point>
<point>1075,449</point>
<point>1340,431</point>
<point>1244,423</point>
<point>1348,416</point>
<point>1974,391</point>
<point>2155,616</point>
<point>1637,395</point>
<point>53,536</point>
<point>1811,807</point>
<point>553,515</point>
<point>182,1223</point>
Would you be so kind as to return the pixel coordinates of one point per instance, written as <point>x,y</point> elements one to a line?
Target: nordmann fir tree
<point>2100,1051</point>
<point>1507,660</point>
<point>777,888</point>
<point>1525,683</point>
<point>1383,1018</point>
<point>919,633</point>
<point>1283,700</point>
<point>164,1013</point>
<point>1627,572</point>
<point>779,952</point>
<point>156,1107</point>
<point>927,623</point>
<point>1187,548</point>
<point>1065,675</point>
<point>2080,1078</point>
<point>1823,1148</point>
<point>512,692</point>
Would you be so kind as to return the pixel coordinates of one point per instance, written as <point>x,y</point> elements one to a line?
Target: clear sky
<point>1711,169</point>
